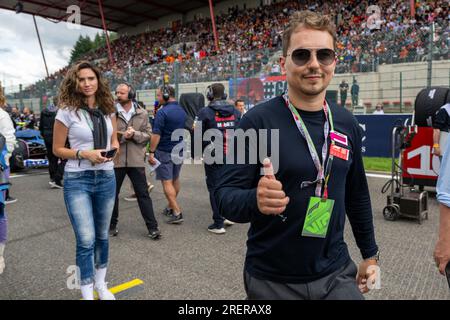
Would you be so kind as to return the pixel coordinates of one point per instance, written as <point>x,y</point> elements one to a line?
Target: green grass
<point>377,164</point>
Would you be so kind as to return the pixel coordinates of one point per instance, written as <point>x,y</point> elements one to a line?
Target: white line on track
<point>18,176</point>
<point>377,175</point>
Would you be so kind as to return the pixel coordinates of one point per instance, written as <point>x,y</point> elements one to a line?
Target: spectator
<point>89,180</point>
<point>343,89</point>
<point>55,164</point>
<point>240,106</point>
<point>378,109</point>
<point>28,118</point>
<point>247,32</point>
<point>355,93</point>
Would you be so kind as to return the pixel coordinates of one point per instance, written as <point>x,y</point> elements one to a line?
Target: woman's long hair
<point>70,95</point>
<point>2,97</point>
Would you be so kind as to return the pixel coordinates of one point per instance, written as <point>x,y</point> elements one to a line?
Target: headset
<point>210,94</point>
<point>165,93</point>
<point>131,92</point>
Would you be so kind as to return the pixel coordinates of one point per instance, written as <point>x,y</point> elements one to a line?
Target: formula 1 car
<point>30,151</point>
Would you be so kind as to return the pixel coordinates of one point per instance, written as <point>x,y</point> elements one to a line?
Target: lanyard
<point>88,119</point>
<point>324,168</point>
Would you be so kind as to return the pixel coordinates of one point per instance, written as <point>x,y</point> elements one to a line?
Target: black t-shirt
<point>442,118</point>
<point>276,250</point>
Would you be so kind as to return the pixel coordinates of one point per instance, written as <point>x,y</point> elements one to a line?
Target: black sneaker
<point>167,212</point>
<point>113,231</point>
<point>175,219</point>
<point>154,234</point>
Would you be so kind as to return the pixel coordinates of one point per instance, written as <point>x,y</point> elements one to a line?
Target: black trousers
<point>343,100</point>
<point>55,165</point>
<point>212,173</point>
<point>139,181</point>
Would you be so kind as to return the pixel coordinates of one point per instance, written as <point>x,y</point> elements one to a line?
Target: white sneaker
<point>130,198</point>
<point>227,223</point>
<point>103,292</point>
<point>54,185</point>
<point>212,228</point>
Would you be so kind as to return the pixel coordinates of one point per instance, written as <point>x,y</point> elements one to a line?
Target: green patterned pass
<point>317,218</point>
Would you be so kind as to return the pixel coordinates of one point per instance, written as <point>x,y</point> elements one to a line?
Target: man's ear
<point>282,64</point>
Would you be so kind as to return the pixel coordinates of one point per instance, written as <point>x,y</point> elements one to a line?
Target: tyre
<point>20,153</point>
<point>427,103</point>
<point>391,212</point>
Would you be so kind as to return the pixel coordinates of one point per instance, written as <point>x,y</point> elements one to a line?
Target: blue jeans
<point>89,197</point>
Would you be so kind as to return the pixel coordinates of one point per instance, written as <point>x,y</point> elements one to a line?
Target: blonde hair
<point>2,97</point>
<point>71,97</point>
<point>308,19</point>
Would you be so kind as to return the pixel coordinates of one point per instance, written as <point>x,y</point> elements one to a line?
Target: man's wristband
<point>436,145</point>
<point>151,152</point>
<point>77,155</point>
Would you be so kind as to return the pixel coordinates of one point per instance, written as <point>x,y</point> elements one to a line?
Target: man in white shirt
<point>134,132</point>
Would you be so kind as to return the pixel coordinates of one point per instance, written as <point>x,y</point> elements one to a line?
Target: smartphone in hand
<point>109,154</point>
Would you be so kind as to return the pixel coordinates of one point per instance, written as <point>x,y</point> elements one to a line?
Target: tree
<point>81,47</point>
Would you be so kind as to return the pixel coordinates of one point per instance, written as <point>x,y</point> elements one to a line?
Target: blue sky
<point>20,55</point>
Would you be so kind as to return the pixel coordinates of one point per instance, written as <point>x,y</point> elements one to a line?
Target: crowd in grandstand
<point>250,40</point>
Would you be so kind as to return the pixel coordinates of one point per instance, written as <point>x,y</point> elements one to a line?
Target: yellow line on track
<point>123,287</point>
<point>126,286</point>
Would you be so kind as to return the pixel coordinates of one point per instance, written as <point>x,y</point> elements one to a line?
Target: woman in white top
<point>86,118</point>
<point>7,130</point>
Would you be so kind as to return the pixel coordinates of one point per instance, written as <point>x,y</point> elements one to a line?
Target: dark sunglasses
<point>302,56</point>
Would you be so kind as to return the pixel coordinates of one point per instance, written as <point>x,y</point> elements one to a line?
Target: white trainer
<point>103,292</point>
<point>227,223</point>
<point>216,230</point>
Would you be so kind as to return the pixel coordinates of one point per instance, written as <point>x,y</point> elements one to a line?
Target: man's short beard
<point>313,92</point>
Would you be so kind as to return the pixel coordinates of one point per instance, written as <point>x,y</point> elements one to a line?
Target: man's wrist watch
<point>375,257</point>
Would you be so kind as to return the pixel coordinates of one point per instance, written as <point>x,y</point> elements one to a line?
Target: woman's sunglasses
<point>302,56</point>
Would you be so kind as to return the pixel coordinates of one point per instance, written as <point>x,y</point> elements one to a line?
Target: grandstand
<point>392,62</point>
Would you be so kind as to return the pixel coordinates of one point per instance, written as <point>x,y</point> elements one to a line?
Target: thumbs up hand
<point>270,196</point>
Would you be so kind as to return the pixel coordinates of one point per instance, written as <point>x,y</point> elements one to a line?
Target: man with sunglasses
<point>297,204</point>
